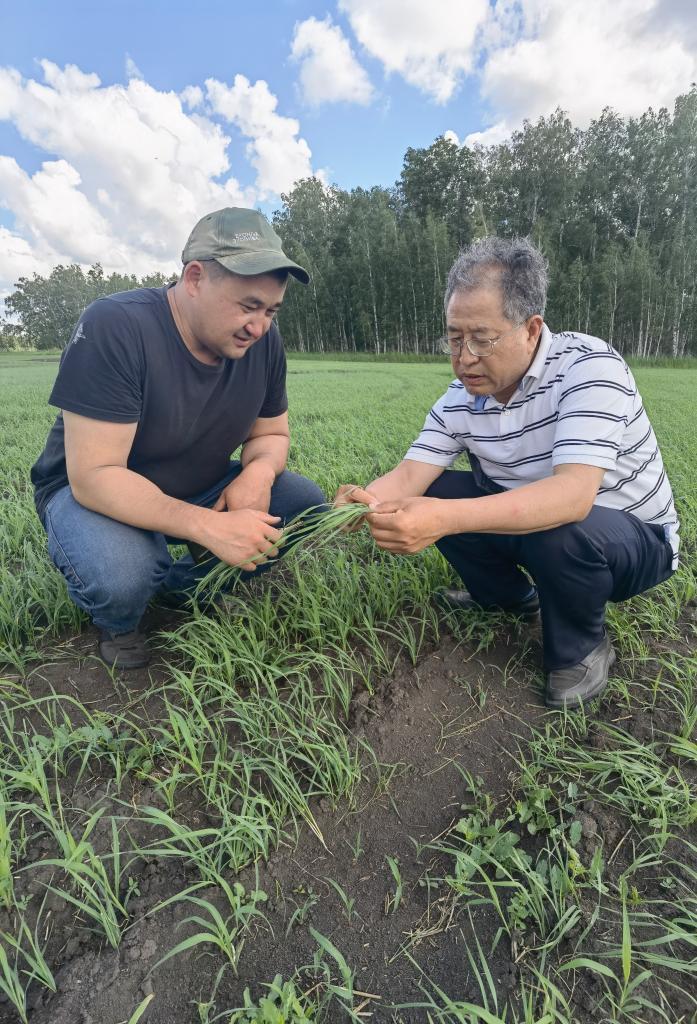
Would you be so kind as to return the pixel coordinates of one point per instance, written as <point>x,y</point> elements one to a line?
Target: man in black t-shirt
<point>157,388</point>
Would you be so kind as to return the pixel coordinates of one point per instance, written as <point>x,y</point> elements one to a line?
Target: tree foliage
<point>614,208</point>
<point>46,309</point>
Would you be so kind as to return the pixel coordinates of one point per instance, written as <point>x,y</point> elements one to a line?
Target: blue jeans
<point>577,568</point>
<point>113,570</point>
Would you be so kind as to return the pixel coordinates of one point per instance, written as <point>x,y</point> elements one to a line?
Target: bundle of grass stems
<point>313,529</point>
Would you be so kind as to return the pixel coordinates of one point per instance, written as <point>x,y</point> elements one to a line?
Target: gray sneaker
<point>572,687</point>
<point>528,610</point>
<point>123,650</point>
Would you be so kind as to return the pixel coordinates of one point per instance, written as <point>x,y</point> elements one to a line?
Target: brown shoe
<point>123,650</point>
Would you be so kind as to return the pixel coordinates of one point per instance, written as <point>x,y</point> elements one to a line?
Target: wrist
<point>198,525</point>
<point>261,469</point>
<point>449,518</point>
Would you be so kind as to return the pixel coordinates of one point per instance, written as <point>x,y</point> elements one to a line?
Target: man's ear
<point>535,328</point>
<point>192,275</point>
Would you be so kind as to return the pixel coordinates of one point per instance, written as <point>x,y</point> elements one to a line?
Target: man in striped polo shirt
<point>567,480</point>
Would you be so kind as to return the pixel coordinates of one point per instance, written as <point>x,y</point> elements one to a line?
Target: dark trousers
<point>577,568</point>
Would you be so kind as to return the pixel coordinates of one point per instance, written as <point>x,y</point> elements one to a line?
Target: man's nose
<point>256,326</point>
<point>466,358</point>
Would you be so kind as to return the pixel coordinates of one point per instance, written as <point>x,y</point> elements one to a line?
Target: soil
<point>454,712</point>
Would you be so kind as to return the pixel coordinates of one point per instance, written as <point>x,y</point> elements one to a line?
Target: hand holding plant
<point>348,494</point>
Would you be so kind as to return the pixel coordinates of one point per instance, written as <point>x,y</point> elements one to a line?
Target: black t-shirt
<point>126,363</point>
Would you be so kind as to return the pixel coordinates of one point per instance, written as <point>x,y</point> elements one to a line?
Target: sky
<point>122,122</point>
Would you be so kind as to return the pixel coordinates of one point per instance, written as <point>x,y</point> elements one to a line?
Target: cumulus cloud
<point>329,70</point>
<point>131,168</point>
<point>584,55</point>
<point>192,96</point>
<point>20,257</point>
<point>432,45</point>
<point>279,155</point>
<point>52,200</point>
<point>132,69</point>
<point>530,56</point>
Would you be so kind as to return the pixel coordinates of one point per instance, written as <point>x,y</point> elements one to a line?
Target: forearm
<point>130,498</point>
<point>542,505</point>
<point>407,480</point>
<point>266,454</point>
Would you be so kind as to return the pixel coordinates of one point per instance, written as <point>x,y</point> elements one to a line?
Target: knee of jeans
<point>297,494</point>
<point>314,495</point>
<point>128,580</point>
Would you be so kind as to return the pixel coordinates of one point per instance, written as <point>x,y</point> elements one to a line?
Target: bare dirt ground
<point>452,712</point>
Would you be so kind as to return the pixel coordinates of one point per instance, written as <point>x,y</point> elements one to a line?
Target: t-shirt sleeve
<point>276,399</point>
<point>436,444</point>
<point>100,373</point>
<point>596,400</point>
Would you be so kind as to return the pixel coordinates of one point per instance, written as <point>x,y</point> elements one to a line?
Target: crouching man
<point>157,388</point>
<point>567,480</point>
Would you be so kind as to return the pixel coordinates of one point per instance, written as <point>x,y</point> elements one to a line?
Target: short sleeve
<point>101,374</point>
<point>276,399</point>
<point>435,444</point>
<point>596,400</point>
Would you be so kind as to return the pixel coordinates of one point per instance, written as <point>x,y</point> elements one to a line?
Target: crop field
<point>328,801</point>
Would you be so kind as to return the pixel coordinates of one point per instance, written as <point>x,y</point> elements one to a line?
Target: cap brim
<point>251,263</point>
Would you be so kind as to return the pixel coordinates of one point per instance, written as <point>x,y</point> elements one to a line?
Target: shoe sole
<point>578,702</point>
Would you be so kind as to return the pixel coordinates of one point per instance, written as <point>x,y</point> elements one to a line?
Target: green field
<point>553,871</point>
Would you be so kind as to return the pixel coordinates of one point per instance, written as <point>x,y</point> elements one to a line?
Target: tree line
<point>613,207</point>
<point>44,310</point>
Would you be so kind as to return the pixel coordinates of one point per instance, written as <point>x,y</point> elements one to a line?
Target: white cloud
<point>531,56</point>
<point>583,55</point>
<point>329,70</point>
<point>128,169</point>
<point>451,136</point>
<point>51,206</point>
<point>132,69</point>
<point>21,258</point>
<point>280,157</point>
<point>432,45</point>
<point>192,96</point>
<point>70,78</point>
<point>499,132</point>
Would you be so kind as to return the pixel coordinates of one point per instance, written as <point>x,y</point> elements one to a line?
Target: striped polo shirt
<point>577,403</point>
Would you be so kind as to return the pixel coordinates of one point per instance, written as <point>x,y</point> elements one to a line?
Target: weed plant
<point>251,730</point>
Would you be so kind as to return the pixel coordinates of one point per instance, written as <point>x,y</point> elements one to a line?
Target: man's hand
<point>250,490</point>
<point>407,525</point>
<point>244,538</point>
<point>349,494</point>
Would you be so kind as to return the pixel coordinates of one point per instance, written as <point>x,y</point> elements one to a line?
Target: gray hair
<point>520,272</point>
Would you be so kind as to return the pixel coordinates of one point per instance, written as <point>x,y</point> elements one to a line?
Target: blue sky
<point>122,122</point>
<point>174,47</point>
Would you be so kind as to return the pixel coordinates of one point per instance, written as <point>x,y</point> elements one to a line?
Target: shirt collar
<point>536,368</point>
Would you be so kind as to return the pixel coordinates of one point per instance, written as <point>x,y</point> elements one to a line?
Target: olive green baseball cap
<point>242,241</point>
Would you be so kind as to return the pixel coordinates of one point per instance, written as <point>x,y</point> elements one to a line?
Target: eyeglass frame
<point>446,346</point>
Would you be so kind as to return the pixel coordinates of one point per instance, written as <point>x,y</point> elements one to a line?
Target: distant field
<point>432,845</point>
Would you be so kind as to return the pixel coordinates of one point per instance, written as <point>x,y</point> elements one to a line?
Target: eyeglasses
<point>481,347</point>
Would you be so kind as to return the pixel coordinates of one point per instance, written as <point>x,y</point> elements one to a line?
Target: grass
<point>223,931</point>
<point>250,729</point>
